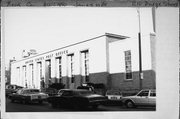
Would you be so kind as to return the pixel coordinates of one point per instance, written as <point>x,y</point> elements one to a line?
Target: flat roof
<point>121,37</point>
<point>116,36</point>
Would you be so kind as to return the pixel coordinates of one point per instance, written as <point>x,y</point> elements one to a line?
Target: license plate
<point>114,98</point>
<point>34,97</point>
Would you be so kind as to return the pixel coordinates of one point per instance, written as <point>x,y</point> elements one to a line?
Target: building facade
<point>110,59</point>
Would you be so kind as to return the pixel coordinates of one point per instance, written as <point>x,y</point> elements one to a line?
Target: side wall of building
<point>118,67</point>
<point>26,72</point>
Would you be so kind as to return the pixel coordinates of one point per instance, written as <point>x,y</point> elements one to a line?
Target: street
<point>46,107</point>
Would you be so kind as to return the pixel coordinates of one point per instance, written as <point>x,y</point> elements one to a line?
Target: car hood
<point>93,96</point>
<point>36,94</point>
<point>129,97</point>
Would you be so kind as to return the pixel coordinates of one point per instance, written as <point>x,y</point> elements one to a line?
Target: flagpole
<point>140,55</point>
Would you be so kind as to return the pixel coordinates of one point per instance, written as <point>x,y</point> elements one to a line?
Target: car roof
<point>76,90</point>
<point>29,89</point>
<point>148,90</point>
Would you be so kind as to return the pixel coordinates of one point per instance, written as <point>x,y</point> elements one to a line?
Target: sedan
<point>28,96</point>
<point>114,95</point>
<point>12,89</point>
<point>77,99</point>
<point>143,98</point>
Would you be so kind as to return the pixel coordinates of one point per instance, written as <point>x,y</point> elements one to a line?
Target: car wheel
<point>129,104</point>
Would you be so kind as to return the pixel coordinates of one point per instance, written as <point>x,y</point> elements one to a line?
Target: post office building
<point>110,59</point>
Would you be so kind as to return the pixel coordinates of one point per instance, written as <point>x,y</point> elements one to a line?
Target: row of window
<point>71,73</point>
<point>71,69</point>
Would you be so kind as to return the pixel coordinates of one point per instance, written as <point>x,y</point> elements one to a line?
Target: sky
<point>45,29</point>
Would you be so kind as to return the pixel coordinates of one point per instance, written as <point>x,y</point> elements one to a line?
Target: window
<point>60,92</point>
<point>40,68</point>
<point>48,62</point>
<point>32,74</point>
<point>19,91</point>
<point>24,76</point>
<point>143,93</point>
<point>39,73</point>
<point>153,93</point>
<point>59,68</point>
<point>67,93</point>
<point>18,74</point>
<point>71,67</point>
<point>128,66</point>
<point>85,64</point>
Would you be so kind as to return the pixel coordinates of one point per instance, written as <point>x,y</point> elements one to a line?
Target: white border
<point>167,80</point>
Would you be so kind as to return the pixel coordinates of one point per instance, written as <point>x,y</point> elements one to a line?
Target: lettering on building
<point>29,61</point>
<point>62,52</point>
<point>49,56</point>
<point>39,59</point>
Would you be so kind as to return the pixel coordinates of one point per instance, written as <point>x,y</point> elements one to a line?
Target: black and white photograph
<point>85,60</point>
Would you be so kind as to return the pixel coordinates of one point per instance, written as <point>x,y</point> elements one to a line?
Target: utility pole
<point>140,56</point>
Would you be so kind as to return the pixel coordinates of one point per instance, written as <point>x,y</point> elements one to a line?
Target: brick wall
<point>118,81</point>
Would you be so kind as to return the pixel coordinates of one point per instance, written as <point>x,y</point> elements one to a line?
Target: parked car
<point>86,87</point>
<point>28,96</point>
<point>50,91</point>
<point>76,98</point>
<point>12,89</point>
<point>143,98</point>
<point>114,95</point>
<point>98,88</point>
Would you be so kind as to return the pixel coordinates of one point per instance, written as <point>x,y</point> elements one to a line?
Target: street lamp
<point>140,57</point>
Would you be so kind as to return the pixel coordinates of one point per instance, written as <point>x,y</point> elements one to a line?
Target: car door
<point>142,98</point>
<point>17,95</point>
<point>66,98</point>
<point>152,98</point>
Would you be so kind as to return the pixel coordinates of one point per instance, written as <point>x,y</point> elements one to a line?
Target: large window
<point>85,65</point>
<point>18,75</point>
<point>39,76</point>
<point>47,73</point>
<point>71,67</point>
<point>32,75</point>
<point>39,69</point>
<point>49,68</point>
<point>59,69</point>
<point>24,76</point>
<point>128,67</point>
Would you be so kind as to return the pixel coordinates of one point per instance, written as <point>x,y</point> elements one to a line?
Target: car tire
<point>129,104</point>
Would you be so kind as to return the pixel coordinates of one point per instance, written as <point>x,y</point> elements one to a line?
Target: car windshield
<point>143,93</point>
<point>31,91</point>
<point>60,92</point>
<point>113,93</point>
<point>84,92</point>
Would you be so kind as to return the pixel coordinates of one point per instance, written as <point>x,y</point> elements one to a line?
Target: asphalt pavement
<point>46,107</point>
